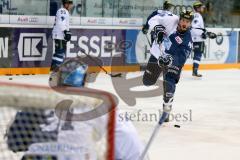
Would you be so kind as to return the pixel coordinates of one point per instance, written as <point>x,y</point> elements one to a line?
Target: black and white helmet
<point>167,5</point>
<point>67,1</point>
<point>187,14</point>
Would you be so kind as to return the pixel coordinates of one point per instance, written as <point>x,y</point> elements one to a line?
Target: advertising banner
<point>239,47</point>
<point>104,44</point>
<point>96,21</point>
<point>5,47</point>
<point>48,21</point>
<point>223,49</point>
<point>33,47</point>
<point>33,20</point>
<point>127,21</point>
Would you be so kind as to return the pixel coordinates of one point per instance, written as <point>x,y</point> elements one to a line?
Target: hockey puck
<point>177,126</point>
<point>10,78</point>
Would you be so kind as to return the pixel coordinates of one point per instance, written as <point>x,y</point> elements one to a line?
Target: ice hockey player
<point>40,134</point>
<point>128,145</point>
<point>167,5</point>
<point>61,33</point>
<point>171,48</point>
<point>198,36</point>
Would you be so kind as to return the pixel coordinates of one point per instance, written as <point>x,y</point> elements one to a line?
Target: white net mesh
<point>31,129</point>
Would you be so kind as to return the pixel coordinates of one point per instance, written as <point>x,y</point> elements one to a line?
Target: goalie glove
<point>159,33</point>
<point>165,60</point>
<point>67,35</point>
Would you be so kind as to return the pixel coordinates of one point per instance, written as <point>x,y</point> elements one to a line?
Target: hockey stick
<point>154,133</point>
<point>100,66</point>
<point>227,35</point>
<point>162,119</point>
<point>148,40</point>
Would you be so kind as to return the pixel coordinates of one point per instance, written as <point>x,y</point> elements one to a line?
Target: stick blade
<point>116,75</point>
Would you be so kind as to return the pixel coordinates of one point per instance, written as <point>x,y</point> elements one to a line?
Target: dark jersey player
<point>169,53</point>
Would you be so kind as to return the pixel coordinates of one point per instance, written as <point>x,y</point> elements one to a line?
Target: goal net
<point>41,123</point>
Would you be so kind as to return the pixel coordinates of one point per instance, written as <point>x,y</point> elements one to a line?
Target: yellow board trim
<point>29,71</point>
<point>132,68</point>
<point>214,66</point>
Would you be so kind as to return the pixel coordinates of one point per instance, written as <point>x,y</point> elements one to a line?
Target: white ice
<point>213,133</point>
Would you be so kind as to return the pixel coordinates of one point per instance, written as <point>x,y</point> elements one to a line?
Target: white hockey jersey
<point>170,22</point>
<point>197,23</point>
<point>71,144</point>
<point>166,19</point>
<point>61,24</point>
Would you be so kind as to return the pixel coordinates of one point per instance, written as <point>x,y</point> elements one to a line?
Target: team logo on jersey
<point>32,46</point>
<point>178,39</point>
<point>195,21</point>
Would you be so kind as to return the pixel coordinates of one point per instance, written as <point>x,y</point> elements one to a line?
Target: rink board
<point>27,49</point>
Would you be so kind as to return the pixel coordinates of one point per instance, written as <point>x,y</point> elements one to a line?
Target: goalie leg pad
<point>152,72</point>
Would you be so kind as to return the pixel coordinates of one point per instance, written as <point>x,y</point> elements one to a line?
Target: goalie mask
<point>72,73</point>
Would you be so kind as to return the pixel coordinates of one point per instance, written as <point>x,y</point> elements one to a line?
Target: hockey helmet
<point>167,5</point>
<point>197,4</point>
<point>73,73</point>
<point>187,14</point>
<point>67,1</point>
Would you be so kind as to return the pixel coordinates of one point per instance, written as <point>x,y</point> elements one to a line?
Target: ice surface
<point>211,105</point>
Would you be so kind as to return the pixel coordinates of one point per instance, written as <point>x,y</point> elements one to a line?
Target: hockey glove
<point>204,35</point>
<point>159,33</point>
<point>211,35</point>
<point>145,29</point>
<point>165,60</point>
<point>67,35</point>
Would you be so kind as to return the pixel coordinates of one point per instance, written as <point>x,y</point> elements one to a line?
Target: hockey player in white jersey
<point>46,136</point>
<point>167,5</point>
<point>198,36</point>
<point>61,33</point>
<point>161,26</point>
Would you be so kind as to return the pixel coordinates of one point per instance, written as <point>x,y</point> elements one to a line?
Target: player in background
<point>61,34</point>
<point>198,36</point>
<point>167,5</point>
<point>171,47</point>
